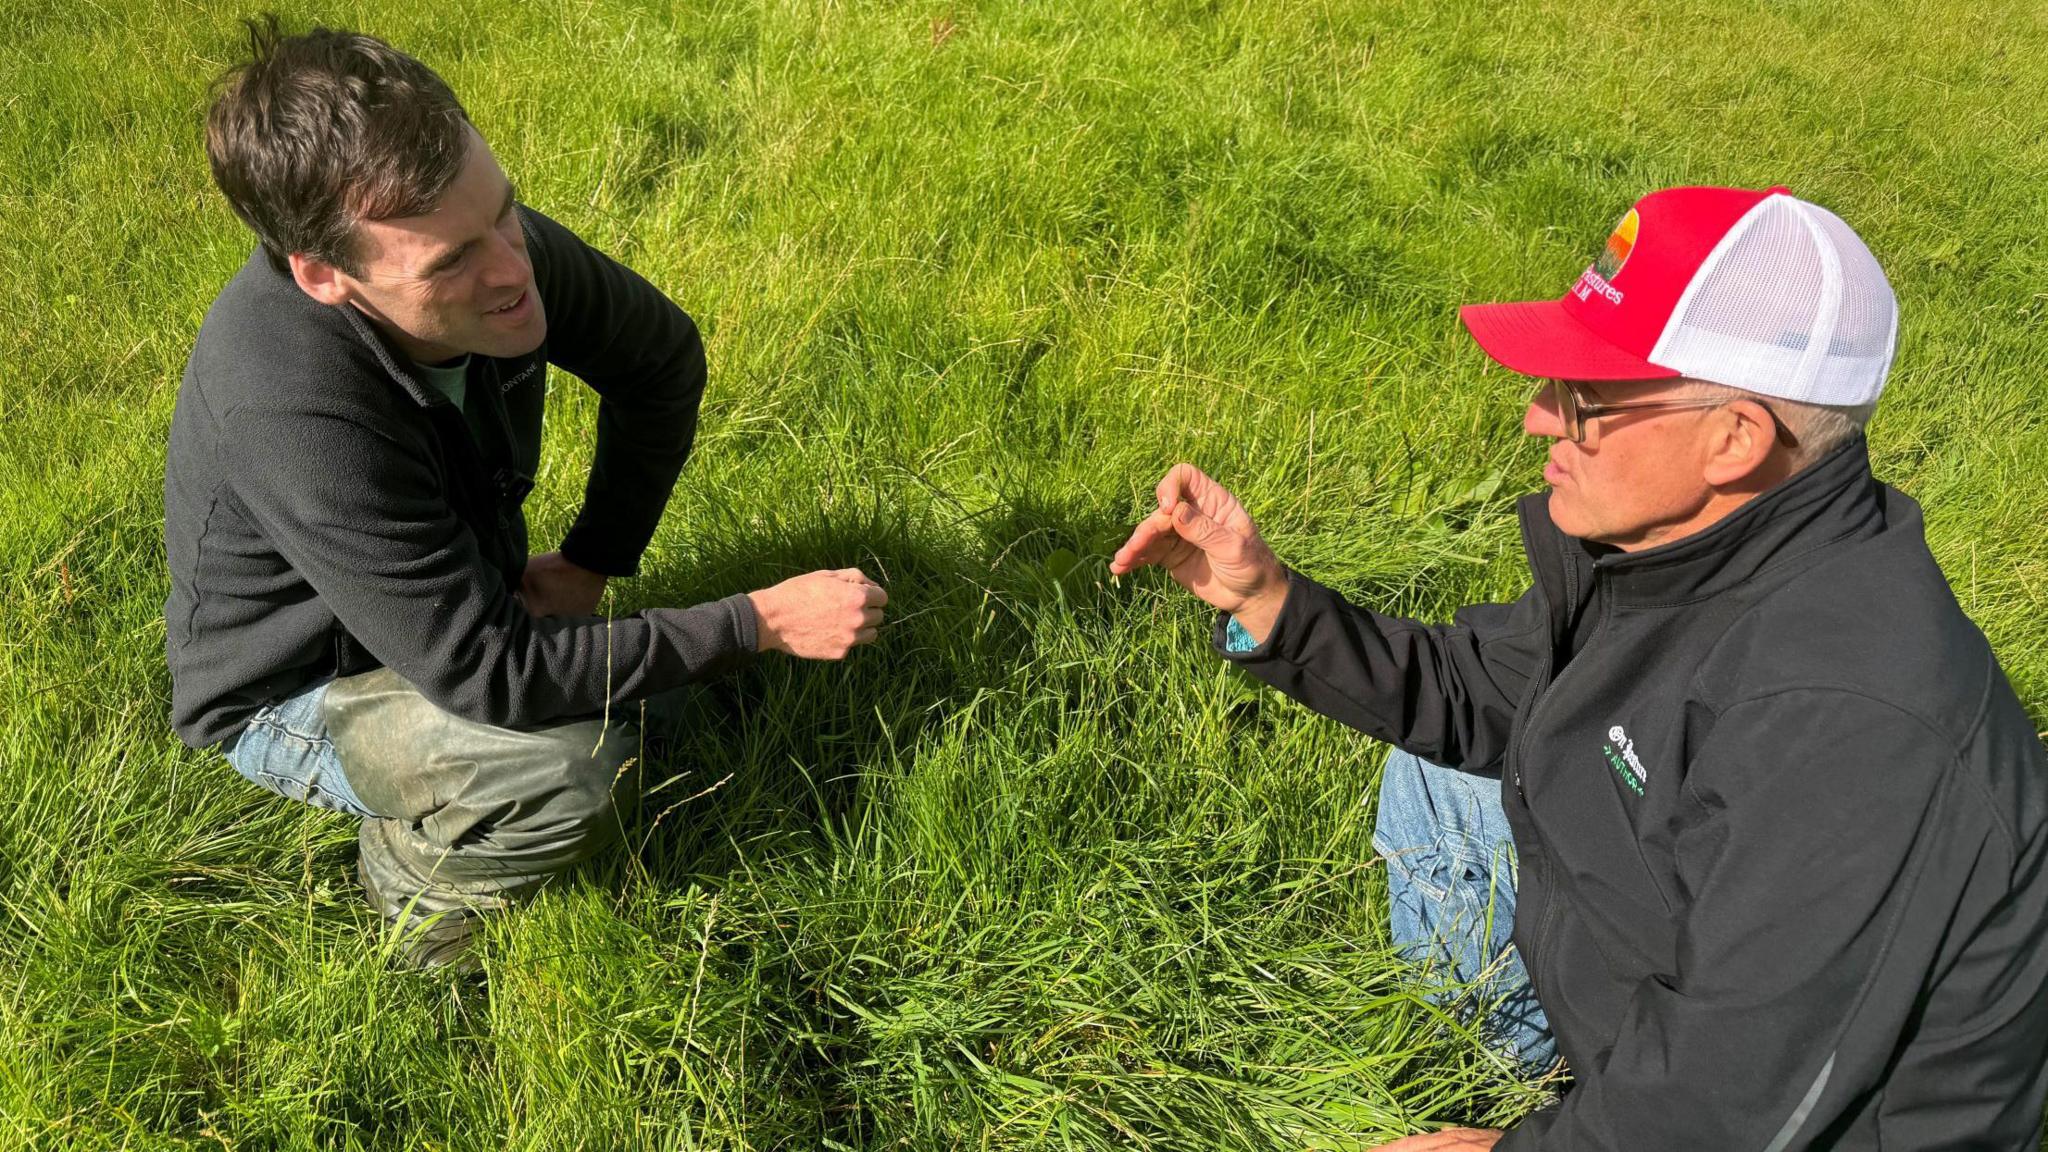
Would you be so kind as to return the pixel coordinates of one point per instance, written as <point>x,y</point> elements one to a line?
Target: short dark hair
<point>316,132</point>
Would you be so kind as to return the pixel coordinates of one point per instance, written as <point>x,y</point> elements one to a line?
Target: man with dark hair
<point>1781,823</point>
<point>354,617</point>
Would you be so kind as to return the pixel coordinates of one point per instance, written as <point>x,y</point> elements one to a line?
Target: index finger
<point>1140,549</point>
<point>1182,482</point>
<point>877,596</point>
<point>1211,499</point>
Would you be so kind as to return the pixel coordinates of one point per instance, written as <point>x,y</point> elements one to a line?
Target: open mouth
<point>509,308</point>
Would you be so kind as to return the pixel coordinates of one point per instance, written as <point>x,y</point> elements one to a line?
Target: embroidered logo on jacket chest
<point>1621,756</point>
<point>525,374</point>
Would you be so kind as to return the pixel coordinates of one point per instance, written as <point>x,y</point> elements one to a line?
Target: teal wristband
<point>1236,639</point>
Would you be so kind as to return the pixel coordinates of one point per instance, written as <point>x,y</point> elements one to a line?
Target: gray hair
<point>1819,428</point>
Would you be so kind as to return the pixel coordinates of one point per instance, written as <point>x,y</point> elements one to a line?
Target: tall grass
<point>1036,870</point>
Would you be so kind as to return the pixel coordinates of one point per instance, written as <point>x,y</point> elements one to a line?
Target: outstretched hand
<point>1201,535</point>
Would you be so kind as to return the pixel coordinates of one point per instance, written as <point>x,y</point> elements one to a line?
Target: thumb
<point>1190,525</point>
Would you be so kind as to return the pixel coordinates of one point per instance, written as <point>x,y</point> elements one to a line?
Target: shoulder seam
<point>1955,761</point>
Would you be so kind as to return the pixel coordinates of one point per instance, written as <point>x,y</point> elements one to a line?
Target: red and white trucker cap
<point>1756,290</point>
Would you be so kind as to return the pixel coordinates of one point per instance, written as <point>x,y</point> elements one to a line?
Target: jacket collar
<point>1834,499</point>
<point>394,362</point>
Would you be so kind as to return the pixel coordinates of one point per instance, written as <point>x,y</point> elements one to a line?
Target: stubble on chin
<point>535,332</point>
<point>1564,517</point>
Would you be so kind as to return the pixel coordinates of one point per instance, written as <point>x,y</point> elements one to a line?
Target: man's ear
<point>1744,435</point>
<point>322,281</point>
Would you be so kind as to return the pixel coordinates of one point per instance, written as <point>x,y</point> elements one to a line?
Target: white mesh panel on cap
<point>1791,304</point>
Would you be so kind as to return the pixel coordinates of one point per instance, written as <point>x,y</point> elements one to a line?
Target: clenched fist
<point>819,615</point>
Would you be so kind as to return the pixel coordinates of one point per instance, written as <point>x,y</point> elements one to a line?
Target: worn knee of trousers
<point>598,767</point>
<point>468,813</point>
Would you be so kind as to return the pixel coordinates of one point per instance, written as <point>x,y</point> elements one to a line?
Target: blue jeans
<point>1451,894</point>
<point>286,750</point>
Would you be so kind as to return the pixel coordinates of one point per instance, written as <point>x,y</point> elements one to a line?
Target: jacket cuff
<point>1220,638</point>
<point>746,622</point>
<point>581,548</point>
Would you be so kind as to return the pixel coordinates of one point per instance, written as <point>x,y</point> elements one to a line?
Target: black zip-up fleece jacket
<point>326,512</point>
<point>1780,822</point>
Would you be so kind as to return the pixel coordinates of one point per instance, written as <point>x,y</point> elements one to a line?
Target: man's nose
<point>1542,417</point>
<point>506,265</point>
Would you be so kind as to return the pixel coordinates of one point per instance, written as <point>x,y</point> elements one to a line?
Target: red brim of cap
<point>1539,338</point>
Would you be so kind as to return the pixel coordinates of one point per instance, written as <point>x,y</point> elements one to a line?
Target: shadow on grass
<point>773,756</point>
<point>857,942</point>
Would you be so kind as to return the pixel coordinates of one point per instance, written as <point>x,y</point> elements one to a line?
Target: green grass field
<point>1036,870</point>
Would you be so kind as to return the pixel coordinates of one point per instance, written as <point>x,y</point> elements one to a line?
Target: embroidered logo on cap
<point>1619,245</point>
<point>1594,280</point>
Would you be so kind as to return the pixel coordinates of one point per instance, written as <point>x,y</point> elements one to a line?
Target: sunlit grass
<point>1036,870</point>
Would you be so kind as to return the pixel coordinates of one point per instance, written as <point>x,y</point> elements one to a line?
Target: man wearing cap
<point>1779,818</point>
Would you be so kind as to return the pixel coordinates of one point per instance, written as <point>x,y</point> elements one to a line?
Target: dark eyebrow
<point>447,259</point>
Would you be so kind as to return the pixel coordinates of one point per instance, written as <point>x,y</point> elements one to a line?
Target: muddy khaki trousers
<point>458,817</point>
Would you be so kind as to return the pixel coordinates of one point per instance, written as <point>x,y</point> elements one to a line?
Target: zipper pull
<point>513,485</point>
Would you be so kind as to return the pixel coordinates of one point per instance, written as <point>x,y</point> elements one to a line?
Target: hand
<point>1204,540</point>
<point>1448,1140</point>
<point>819,615</point>
<point>552,585</point>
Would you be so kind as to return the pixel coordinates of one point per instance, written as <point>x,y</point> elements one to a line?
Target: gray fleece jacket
<point>326,512</point>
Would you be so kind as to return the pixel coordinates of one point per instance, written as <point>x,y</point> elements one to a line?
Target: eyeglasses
<point>1576,409</point>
